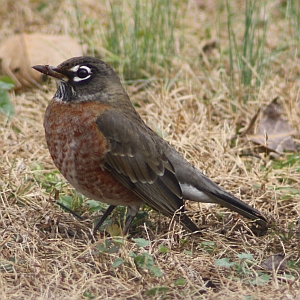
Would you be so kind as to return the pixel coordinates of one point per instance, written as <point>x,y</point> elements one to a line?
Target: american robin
<point>104,149</point>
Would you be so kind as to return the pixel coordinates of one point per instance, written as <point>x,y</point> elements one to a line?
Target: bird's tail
<point>227,200</point>
<point>196,186</point>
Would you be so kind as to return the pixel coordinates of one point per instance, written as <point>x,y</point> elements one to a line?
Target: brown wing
<point>137,159</point>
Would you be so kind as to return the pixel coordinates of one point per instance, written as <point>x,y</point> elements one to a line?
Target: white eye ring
<point>79,68</point>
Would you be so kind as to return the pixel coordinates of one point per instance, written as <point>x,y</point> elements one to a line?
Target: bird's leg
<point>131,213</point>
<point>103,218</point>
<point>70,211</point>
<point>129,219</point>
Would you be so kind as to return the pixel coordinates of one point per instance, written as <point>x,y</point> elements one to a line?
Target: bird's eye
<point>82,73</point>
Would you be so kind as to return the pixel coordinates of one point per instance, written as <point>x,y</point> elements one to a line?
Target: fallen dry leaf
<point>274,132</point>
<point>276,262</point>
<point>20,52</point>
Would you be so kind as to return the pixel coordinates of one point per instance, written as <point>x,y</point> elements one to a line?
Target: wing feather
<point>136,158</point>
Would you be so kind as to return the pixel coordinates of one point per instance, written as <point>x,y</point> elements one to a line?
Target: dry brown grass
<point>46,253</point>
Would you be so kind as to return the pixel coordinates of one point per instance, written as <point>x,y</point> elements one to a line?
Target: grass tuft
<point>140,36</point>
<point>248,58</point>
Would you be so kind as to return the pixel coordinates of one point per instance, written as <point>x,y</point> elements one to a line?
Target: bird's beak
<point>51,71</point>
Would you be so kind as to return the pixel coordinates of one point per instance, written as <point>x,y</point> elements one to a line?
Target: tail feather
<point>233,203</point>
<point>197,187</point>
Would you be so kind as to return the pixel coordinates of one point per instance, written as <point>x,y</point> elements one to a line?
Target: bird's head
<point>83,78</point>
